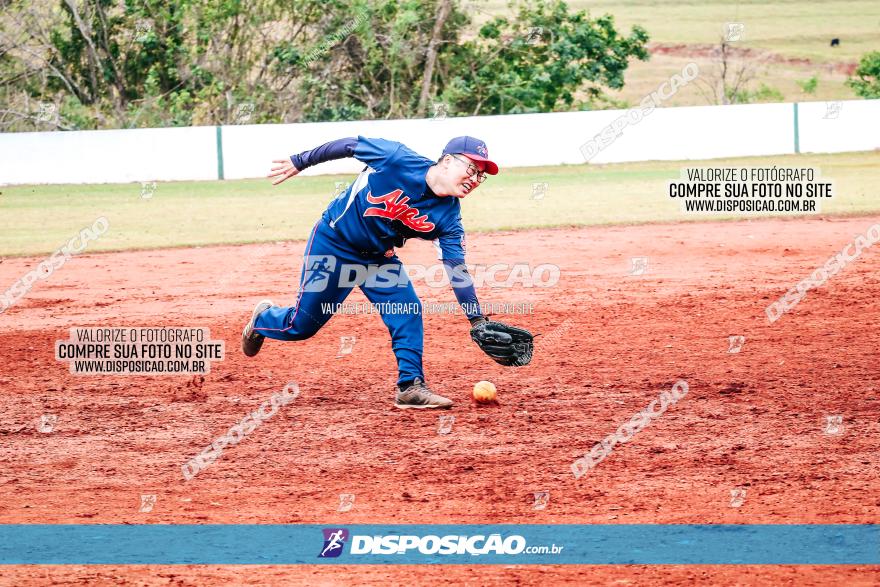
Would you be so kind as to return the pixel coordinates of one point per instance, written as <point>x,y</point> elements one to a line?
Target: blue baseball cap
<point>473,148</point>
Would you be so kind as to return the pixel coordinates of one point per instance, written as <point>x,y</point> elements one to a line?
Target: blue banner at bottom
<point>239,544</point>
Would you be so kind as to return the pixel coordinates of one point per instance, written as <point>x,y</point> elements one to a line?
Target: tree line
<point>94,64</point>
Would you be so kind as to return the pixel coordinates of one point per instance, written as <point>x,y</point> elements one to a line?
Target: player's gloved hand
<point>507,345</point>
<point>283,170</point>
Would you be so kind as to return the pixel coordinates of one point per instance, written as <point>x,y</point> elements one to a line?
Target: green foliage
<point>539,61</point>
<point>866,82</point>
<point>139,63</point>
<point>764,93</point>
<point>376,71</point>
<point>809,85</point>
<point>142,63</point>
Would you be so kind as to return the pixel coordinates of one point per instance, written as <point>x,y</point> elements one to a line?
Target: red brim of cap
<point>491,167</point>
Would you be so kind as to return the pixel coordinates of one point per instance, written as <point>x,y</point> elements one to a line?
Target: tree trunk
<point>443,10</point>
<point>91,51</point>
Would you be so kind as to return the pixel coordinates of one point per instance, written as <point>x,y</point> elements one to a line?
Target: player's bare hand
<point>283,170</point>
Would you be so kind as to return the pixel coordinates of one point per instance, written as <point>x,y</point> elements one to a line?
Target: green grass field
<point>794,29</point>
<point>39,219</point>
<point>796,35</point>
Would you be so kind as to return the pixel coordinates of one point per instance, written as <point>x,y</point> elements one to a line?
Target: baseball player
<point>398,196</point>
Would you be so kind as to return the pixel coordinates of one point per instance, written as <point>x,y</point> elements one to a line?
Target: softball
<point>484,391</point>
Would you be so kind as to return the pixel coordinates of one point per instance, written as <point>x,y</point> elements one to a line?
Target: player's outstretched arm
<point>463,286</point>
<point>287,168</point>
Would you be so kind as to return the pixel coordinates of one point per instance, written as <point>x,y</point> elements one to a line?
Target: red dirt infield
<point>611,343</point>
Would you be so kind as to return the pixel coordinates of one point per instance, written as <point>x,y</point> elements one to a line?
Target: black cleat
<point>251,341</point>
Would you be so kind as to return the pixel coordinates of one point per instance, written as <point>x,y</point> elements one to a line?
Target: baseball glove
<point>507,345</point>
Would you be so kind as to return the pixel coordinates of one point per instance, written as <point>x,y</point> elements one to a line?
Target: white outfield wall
<point>108,156</point>
<point>245,151</point>
<point>849,126</point>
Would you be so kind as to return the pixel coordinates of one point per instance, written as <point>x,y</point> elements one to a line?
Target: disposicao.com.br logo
<point>334,539</point>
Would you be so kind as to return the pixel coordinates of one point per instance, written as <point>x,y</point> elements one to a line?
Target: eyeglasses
<point>472,169</point>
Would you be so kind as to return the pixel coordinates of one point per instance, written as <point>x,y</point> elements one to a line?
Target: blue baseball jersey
<point>390,202</point>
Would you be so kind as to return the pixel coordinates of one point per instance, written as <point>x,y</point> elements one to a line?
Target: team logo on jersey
<point>396,208</point>
<point>334,540</point>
